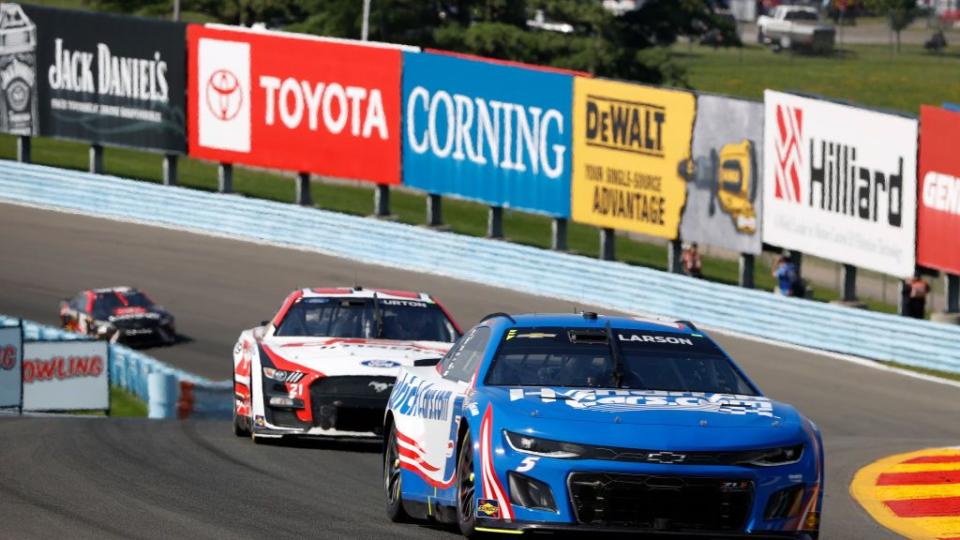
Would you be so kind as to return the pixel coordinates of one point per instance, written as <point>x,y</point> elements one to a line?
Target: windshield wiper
<point>377,316</point>
<point>618,367</point>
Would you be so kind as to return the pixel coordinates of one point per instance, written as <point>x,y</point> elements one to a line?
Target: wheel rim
<point>391,468</point>
<point>465,481</point>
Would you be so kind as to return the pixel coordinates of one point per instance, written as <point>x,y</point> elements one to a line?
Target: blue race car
<point>593,423</point>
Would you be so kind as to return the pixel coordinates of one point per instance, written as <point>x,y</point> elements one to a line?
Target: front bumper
<point>332,407</point>
<point>497,526</point>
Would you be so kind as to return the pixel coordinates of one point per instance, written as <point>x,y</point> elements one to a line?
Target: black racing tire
<point>392,489</point>
<point>251,424</point>
<point>240,425</point>
<point>466,490</point>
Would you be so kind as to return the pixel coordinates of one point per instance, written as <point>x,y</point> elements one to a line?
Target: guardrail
<point>169,392</point>
<point>531,270</point>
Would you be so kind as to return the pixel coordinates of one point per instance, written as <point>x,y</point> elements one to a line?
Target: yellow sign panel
<point>629,142</point>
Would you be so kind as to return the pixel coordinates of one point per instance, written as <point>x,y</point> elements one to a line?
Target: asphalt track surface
<point>135,478</point>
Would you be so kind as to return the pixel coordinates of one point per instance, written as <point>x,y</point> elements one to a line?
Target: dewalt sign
<point>629,142</point>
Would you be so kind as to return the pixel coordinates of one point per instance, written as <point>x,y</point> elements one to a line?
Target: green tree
<point>899,14</point>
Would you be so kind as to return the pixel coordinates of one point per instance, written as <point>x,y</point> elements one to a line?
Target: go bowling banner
<point>840,182</point>
<point>295,102</point>
<point>11,353</point>
<point>100,78</point>
<point>66,375</point>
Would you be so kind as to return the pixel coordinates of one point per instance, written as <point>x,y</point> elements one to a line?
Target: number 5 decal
<point>528,464</point>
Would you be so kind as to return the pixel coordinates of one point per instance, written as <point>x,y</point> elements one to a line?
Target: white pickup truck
<point>795,27</point>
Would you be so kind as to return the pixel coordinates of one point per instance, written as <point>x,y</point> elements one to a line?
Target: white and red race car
<point>326,363</point>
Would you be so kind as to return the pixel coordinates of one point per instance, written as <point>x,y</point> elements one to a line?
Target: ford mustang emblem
<point>379,387</point>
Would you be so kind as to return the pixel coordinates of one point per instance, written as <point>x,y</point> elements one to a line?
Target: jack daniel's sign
<point>101,78</point>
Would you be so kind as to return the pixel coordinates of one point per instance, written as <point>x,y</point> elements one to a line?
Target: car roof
<point>362,292</point>
<point>122,289</point>
<point>593,320</point>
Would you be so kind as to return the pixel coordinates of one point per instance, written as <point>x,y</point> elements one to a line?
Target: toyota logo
<point>224,94</point>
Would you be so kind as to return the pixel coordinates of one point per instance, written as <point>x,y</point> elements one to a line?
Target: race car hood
<point>353,356</point>
<point>664,420</point>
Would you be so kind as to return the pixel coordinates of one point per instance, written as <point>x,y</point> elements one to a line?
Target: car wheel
<point>239,429</point>
<point>466,490</point>
<point>391,479</point>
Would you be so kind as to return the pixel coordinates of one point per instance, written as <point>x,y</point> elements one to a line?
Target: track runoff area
<point>133,477</point>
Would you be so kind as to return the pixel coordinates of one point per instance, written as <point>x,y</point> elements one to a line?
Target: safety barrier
<point>531,270</point>
<point>169,392</point>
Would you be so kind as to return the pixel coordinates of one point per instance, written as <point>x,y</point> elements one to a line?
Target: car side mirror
<point>425,362</point>
<point>264,323</point>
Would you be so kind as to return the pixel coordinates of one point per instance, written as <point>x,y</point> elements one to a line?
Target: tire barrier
<point>579,279</point>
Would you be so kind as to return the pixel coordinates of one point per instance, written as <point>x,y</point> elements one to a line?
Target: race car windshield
<point>584,359</point>
<point>112,303</point>
<point>407,320</point>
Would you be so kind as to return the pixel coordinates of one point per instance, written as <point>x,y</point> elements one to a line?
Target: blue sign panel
<point>491,132</point>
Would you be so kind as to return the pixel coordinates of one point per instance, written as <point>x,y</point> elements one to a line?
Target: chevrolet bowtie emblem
<point>666,457</point>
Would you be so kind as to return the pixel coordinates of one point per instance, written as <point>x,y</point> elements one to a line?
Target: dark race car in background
<point>120,315</point>
<point>327,361</point>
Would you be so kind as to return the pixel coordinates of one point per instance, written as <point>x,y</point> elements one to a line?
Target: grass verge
<point>866,74</point>
<point>124,404</point>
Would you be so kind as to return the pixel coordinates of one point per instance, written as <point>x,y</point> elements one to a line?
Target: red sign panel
<point>938,215</point>
<point>300,103</point>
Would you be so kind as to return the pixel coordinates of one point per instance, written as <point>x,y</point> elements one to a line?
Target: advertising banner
<point>301,103</point>
<point>11,353</point>
<point>724,175</point>
<point>106,79</point>
<point>65,375</point>
<point>938,219</point>
<point>840,182</point>
<point>487,131</point>
<point>629,143</point>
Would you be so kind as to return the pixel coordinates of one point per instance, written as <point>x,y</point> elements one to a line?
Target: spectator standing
<point>917,291</point>
<point>788,277</point>
<point>691,261</point>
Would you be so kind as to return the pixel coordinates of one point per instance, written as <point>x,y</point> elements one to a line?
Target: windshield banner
<point>11,351</point>
<point>108,79</point>
<point>724,175</point>
<point>295,102</point>
<point>938,222</point>
<point>840,182</point>
<point>65,375</point>
<point>629,142</point>
<point>487,131</point>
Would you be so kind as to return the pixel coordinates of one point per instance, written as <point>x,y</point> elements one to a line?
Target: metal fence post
<point>23,149</point>
<point>495,222</point>
<point>558,234</point>
<point>675,256</point>
<point>381,200</point>
<point>170,170</point>
<point>608,248</point>
<point>434,210</point>
<point>225,178</point>
<point>951,289</point>
<point>303,197</point>
<point>745,277</point>
<point>96,159</point>
<point>849,283</point>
